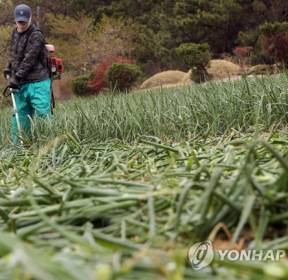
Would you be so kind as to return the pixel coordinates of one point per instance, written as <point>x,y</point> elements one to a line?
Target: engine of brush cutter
<point>55,63</point>
<point>56,67</point>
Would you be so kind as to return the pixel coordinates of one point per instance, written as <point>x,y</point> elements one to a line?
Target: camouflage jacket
<point>28,57</point>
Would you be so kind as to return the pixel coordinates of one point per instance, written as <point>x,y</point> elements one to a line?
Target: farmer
<point>28,72</point>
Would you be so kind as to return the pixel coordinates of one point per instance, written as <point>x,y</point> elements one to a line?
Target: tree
<point>74,42</point>
<point>150,30</point>
<point>6,12</point>
<point>83,45</point>
<point>5,35</point>
<point>276,10</point>
<point>112,38</point>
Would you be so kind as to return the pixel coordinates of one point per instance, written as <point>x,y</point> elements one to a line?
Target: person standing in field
<point>28,71</point>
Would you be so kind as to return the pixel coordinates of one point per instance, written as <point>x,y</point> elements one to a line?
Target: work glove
<point>14,83</point>
<point>7,73</point>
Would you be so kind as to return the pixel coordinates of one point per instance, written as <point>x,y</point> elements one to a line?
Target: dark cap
<point>22,13</point>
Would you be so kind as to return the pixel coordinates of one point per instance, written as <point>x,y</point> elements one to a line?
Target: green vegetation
<point>80,86</point>
<point>177,113</point>
<point>120,186</point>
<point>194,55</point>
<point>197,57</point>
<point>121,76</point>
<point>148,32</point>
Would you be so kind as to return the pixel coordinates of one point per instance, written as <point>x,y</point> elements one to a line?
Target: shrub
<point>248,38</point>
<point>251,38</point>
<point>80,86</point>
<point>98,77</point>
<point>194,55</point>
<point>274,40</point>
<point>197,57</point>
<point>270,43</point>
<point>121,76</point>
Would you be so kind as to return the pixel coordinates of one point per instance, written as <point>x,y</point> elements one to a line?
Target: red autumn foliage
<point>242,52</point>
<point>277,46</point>
<point>98,81</point>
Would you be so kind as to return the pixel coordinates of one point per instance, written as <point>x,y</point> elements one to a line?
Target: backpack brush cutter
<point>55,67</point>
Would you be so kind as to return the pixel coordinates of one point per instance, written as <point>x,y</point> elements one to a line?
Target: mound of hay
<point>187,78</point>
<point>220,69</point>
<point>263,69</point>
<point>170,77</point>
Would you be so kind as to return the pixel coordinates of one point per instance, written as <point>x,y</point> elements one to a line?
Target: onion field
<point>120,186</point>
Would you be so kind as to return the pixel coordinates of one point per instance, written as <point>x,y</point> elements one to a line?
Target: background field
<point>119,186</point>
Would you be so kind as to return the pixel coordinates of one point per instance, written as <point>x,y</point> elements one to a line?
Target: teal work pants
<point>33,99</point>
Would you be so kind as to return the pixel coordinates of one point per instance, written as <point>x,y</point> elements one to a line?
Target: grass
<point>119,187</point>
<point>175,114</point>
